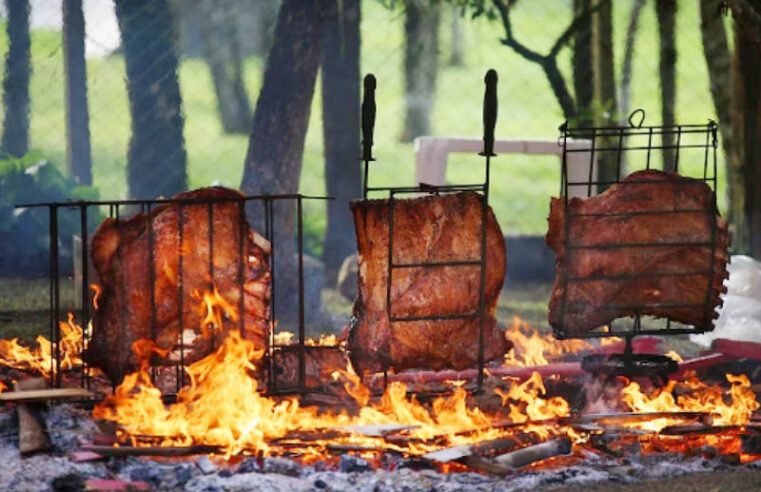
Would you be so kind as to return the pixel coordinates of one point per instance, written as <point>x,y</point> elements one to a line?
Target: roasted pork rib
<point>121,255</point>
<point>428,229</point>
<point>652,244</point>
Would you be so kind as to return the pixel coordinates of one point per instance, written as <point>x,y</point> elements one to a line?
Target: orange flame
<point>222,405</point>
<point>39,359</point>
<point>531,348</point>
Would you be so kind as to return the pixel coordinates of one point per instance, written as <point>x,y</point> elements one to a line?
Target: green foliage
<point>25,232</point>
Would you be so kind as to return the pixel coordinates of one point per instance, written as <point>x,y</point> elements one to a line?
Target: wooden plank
<point>32,435</point>
<point>486,466</point>
<point>150,450</point>
<point>45,394</point>
<point>619,417</point>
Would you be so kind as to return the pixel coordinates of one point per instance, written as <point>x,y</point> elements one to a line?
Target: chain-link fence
<point>216,138</point>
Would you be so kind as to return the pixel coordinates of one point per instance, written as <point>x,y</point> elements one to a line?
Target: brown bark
<point>583,67</point>
<point>605,88</point>
<point>276,145</point>
<point>747,107</point>
<point>718,60</point>
<point>421,29</point>
<point>77,115</point>
<point>18,69</point>
<point>666,13</point>
<point>340,118</point>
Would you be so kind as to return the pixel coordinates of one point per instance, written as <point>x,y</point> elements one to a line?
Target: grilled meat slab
<point>652,244</point>
<point>428,229</point>
<point>187,261</point>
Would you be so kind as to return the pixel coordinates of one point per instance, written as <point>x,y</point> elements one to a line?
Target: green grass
<point>521,185</point>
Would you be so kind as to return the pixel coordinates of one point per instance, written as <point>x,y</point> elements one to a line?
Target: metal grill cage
<point>622,150</point>
<point>262,206</point>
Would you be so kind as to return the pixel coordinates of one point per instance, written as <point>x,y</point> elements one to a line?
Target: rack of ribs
<point>652,244</point>
<point>427,229</point>
<point>182,271</point>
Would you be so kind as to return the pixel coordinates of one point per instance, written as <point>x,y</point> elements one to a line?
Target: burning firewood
<point>156,268</point>
<point>432,229</point>
<point>646,246</point>
<point>538,452</point>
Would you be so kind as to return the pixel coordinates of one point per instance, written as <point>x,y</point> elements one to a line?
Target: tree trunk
<point>276,145</point>
<point>16,81</point>
<point>77,115</point>
<point>340,117</point>
<point>719,60</point>
<point>222,53</point>
<point>666,13</point>
<point>421,29</point>
<point>605,88</point>
<point>583,68</point>
<point>156,159</point>
<point>456,57</point>
<point>626,71</point>
<point>747,107</point>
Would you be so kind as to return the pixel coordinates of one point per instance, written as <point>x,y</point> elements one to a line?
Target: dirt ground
<point>730,481</point>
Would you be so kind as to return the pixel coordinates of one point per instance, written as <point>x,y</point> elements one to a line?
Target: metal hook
<point>641,120</point>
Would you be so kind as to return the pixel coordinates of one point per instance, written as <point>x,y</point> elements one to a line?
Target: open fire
<point>223,406</point>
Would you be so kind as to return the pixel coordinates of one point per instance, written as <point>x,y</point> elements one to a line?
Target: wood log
<point>683,430</point>
<point>32,435</point>
<point>458,452</point>
<point>377,430</point>
<point>486,465</point>
<point>151,450</point>
<point>532,454</point>
<point>622,417</point>
<point>42,394</point>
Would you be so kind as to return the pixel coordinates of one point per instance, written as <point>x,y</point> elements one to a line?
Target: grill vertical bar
<point>242,261</point>
<point>85,318</point>
<point>180,370</point>
<point>210,212</point>
<point>55,378</point>
<point>678,144</point>
<point>592,162</point>
<point>152,273</point>
<point>390,269</point>
<point>273,306</point>
<point>302,348</point>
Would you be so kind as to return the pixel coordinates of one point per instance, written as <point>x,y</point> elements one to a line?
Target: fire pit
<point>284,412</point>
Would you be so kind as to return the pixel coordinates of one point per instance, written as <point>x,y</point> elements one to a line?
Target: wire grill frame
<point>115,209</point>
<point>601,138</point>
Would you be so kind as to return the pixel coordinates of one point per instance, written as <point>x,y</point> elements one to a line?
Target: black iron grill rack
<point>260,206</point>
<point>489,121</point>
<point>622,150</point>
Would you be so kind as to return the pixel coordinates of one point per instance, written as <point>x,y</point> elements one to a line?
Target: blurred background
<point>143,98</point>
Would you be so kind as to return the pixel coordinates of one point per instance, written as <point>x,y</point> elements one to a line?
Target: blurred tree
<point>281,117</point>
<point>719,62</point>
<point>18,70</point>
<point>456,55</point>
<point>746,107</point>
<point>421,34</point>
<point>605,88</point>
<point>666,12</point>
<point>340,118</point>
<point>223,55</point>
<point>583,68</point>
<point>77,115</point>
<point>626,70</point>
<point>156,159</point>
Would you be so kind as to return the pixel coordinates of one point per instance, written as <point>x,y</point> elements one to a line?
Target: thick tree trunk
<point>456,56</point>
<point>276,145</point>
<point>583,67</point>
<point>666,13</point>
<point>77,114</point>
<point>719,62</point>
<point>626,71</point>
<point>16,80</point>
<point>421,29</point>
<point>340,117</point>
<point>156,159</point>
<point>222,53</point>
<point>605,87</point>
<point>747,107</point>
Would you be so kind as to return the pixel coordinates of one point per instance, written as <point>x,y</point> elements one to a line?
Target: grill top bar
<point>155,201</point>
